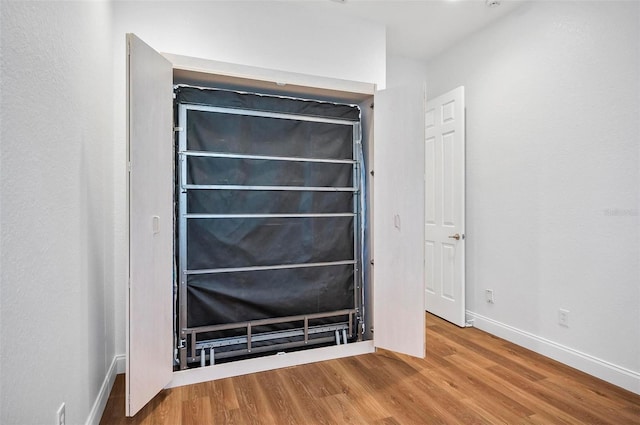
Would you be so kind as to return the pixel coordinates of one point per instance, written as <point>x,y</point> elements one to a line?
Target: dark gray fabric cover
<point>243,242</point>
<point>257,102</point>
<point>226,133</point>
<point>267,202</point>
<point>268,293</point>
<point>258,172</point>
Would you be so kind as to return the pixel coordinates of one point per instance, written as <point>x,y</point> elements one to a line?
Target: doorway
<point>445,238</point>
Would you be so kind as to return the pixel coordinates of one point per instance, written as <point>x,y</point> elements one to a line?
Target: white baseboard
<point>261,364</point>
<point>117,366</point>
<point>121,363</point>
<point>594,366</point>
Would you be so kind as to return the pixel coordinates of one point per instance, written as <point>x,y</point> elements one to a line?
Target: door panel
<point>150,155</point>
<point>398,240</point>
<point>445,206</point>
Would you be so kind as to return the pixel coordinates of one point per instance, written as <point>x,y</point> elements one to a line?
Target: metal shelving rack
<point>193,350</point>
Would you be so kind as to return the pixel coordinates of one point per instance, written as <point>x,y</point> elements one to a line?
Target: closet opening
<point>271,223</point>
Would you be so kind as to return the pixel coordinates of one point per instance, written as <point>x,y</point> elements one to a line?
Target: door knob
<point>456,236</point>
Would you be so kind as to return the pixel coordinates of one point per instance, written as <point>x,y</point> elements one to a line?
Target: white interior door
<point>444,206</point>
<point>150,156</point>
<point>398,273</point>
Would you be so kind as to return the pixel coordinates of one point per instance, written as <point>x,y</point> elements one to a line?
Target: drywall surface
<point>553,143</point>
<point>403,72</point>
<point>57,325</point>
<point>267,34</point>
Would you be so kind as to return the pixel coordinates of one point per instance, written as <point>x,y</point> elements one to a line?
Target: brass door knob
<point>456,236</point>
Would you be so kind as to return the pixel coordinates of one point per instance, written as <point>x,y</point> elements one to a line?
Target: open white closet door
<point>398,185</point>
<point>150,155</point>
<point>445,206</point>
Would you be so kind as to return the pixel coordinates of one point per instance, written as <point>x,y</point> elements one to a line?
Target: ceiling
<point>421,29</point>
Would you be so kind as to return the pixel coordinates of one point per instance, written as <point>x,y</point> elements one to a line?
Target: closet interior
<point>271,219</point>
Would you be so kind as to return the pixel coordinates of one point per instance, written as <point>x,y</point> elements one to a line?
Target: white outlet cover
<point>563,317</point>
<point>489,295</point>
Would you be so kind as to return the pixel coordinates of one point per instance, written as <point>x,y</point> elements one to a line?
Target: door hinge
<point>129,166</point>
<point>178,129</point>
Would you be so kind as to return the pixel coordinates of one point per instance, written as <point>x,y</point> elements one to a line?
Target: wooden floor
<point>468,377</point>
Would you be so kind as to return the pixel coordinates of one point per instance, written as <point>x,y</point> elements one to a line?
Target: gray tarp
<point>241,242</point>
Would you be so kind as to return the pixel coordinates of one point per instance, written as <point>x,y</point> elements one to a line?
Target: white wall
<point>57,324</point>
<point>276,35</point>
<point>269,34</point>
<point>403,72</point>
<point>553,100</point>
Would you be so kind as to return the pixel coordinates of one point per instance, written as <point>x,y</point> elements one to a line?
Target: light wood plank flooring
<point>468,377</point>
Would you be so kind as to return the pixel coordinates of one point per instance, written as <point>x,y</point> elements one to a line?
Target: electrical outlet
<point>563,317</point>
<point>488,293</point>
<point>60,415</point>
